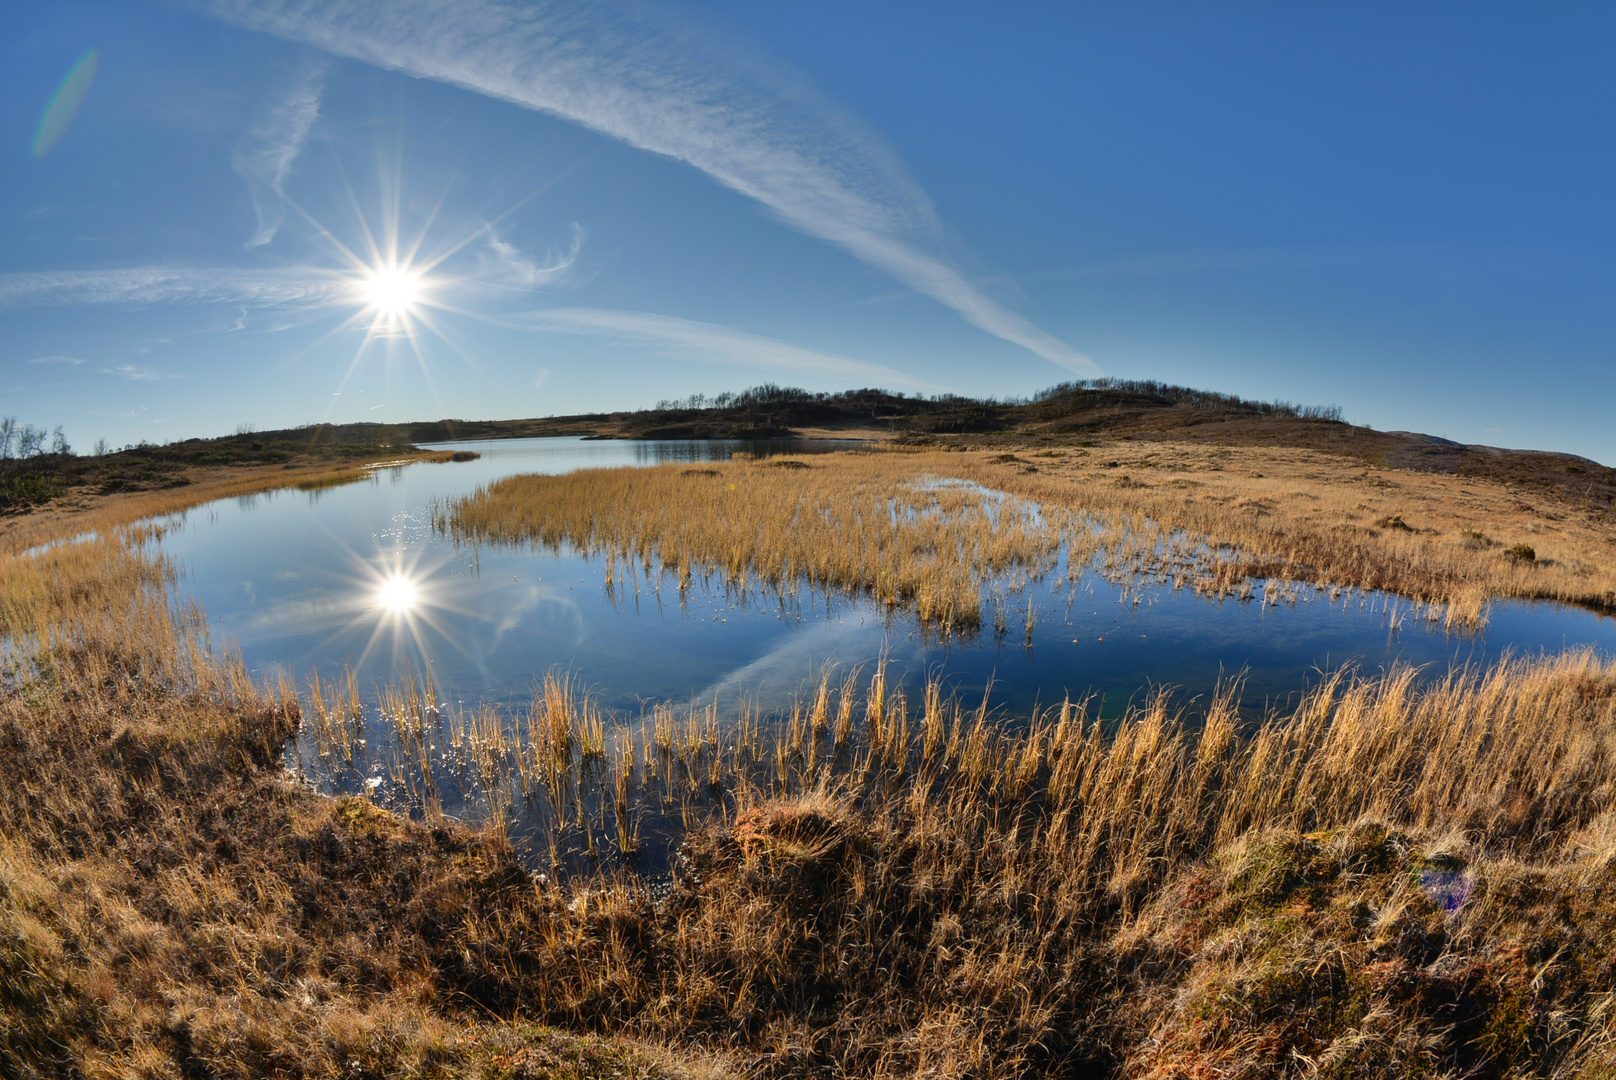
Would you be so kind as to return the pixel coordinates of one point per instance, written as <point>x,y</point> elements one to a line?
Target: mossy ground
<point>1363,953</point>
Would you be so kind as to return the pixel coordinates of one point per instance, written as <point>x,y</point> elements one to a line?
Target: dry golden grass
<point>1312,516</point>
<point>335,478</point>
<point>1392,878</point>
<point>1522,753</point>
<point>888,525</point>
<point>1383,878</point>
<point>901,526</point>
<point>861,525</point>
<point>170,905</point>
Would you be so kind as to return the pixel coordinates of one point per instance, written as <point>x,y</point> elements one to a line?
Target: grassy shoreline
<point>98,511</point>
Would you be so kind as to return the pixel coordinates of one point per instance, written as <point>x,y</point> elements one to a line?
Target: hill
<point>1074,413</point>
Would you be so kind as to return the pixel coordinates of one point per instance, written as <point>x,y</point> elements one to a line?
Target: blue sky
<point>1403,209</point>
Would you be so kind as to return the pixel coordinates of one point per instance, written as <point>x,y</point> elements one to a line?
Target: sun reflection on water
<point>398,594</point>
<point>398,598</point>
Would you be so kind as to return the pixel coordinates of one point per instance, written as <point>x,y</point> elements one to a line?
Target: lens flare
<point>396,290</point>
<point>64,104</point>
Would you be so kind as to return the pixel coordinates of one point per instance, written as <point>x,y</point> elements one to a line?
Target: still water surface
<point>355,576</point>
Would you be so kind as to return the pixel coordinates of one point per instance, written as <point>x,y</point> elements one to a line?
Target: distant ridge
<point>1081,411</point>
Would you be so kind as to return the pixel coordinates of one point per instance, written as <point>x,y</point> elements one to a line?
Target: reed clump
<point>929,528</point>
<point>1522,753</point>
<point>1394,876</point>
<point>1316,517</point>
<point>884,525</point>
<point>867,525</point>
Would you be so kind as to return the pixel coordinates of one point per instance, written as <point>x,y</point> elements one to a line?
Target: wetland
<point>785,754</point>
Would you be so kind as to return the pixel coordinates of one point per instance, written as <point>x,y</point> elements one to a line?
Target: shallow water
<point>355,577</point>
<point>294,578</point>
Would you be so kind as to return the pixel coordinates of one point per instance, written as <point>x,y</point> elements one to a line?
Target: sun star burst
<point>392,292</point>
<point>397,594</point>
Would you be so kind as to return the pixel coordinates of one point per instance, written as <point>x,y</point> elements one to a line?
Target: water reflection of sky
<point>302,581</point>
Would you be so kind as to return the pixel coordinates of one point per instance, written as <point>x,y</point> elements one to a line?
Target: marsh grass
<point>929,529</point>
<point>360,473</point>
<point>1320,518</point>
<point>880,525</point>
<point>1520,752</point>
<point>171,905</point>
<point>337,478</point>
<point>752,523</point>
<point>109,513</point>
<point>1394,876</point>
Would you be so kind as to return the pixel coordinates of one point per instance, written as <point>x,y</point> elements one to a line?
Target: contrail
<point>264,154</point>
<point>660,90</point>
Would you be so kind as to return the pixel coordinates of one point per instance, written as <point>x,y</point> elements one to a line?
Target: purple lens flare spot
<point>1447,887</point>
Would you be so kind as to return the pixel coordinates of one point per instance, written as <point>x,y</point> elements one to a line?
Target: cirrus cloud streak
<point>709,342</point>
<point>264,154</point>
<point>667,92</point>
<point>297,287</point>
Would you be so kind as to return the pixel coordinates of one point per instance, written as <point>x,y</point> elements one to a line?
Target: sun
<point>393,292</point>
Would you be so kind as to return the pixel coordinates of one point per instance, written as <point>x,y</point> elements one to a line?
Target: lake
<point>299,581</point>
<point>354,578</point>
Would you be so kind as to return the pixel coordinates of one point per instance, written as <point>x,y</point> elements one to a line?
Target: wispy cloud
<point>292,288</point>
<point>762,134</point>
<point>264,153</point>
<point>709,342</point>
<point>515,267</point>
<point>299,287</point>
<point>73,360</point>
<point>133,372</point>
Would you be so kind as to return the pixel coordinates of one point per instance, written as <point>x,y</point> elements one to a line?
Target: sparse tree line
<point>19,441</point>
<point>1183,397</point>
<point>26,440</point>
<point>770,396</point>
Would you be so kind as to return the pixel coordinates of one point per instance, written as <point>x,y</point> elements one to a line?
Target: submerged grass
<point>1393,878</point>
